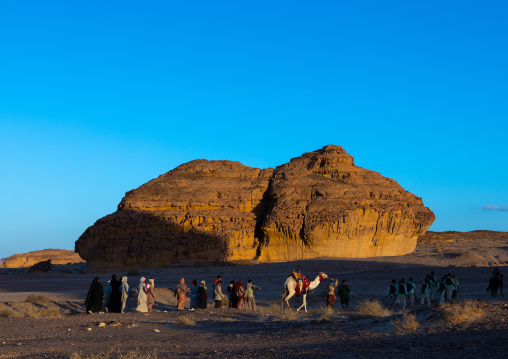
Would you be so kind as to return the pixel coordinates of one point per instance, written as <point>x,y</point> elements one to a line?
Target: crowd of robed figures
<point>239,295</point>
<point>114,298</point>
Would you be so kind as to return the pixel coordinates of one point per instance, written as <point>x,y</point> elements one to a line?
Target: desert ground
<point>53,323</point>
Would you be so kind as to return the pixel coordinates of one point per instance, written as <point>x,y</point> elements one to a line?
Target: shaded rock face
<point>43,266</point>
<point>317,205</point>
<point>57,256</point>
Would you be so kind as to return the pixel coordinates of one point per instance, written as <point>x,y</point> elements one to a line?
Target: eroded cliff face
<point>322,205</point>
<point>317,205</point>
<point>202,211</point>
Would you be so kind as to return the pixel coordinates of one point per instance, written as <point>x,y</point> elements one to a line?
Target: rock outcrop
<point>57,256</point>
<point>317,205</point>
<point>43,266</point>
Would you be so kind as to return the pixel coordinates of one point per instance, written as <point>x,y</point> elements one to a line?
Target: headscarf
<point>237,286</point>
<point>142,285</point>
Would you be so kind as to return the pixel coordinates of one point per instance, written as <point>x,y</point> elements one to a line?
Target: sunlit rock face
<point>321,204</point>
<point>317,205</point>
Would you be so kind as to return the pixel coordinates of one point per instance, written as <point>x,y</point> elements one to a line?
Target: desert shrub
<point>35,312</point>
<point>460,313</point>
<point>185,319</point>
<point>288,315</point>
<point>370,309</point>
<point>33,298</point>
<point>408,322</point>
<point>9,313</point>
<point>326,312</point>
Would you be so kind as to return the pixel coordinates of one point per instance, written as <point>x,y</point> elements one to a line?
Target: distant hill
<point>57,256</point>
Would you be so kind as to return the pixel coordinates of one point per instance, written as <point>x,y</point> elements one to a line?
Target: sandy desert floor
<point>25,332</point>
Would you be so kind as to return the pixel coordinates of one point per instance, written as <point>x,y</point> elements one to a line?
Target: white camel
<point>290,288</point>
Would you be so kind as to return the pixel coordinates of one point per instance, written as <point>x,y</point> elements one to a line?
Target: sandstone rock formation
<point>57,256</point>
<point>317,205</point>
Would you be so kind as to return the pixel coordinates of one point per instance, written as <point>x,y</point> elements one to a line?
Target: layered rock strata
<point>317,205</point>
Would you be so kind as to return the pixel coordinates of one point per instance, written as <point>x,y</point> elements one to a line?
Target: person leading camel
<point>330,300</point>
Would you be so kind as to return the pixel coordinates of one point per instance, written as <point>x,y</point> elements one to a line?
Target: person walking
<point>330,299</point>
<point>231,295</point>
<point>250,302</point>
<point>150,301</point>
<point>344,292</point>
<point>411,292</point>
<point>217,294</point>
<point>107,294</point>
<point>124,294</point>
<point>425,292</point>
<point>240,295</point>
<point>442,290</point>
<point>202,295</point>
<point>142,296</point>
<point>449,286</point>
<point>455,286</point>
<point>401,294</point>
<point>434,285</point>
<point>392,292</point>
<point>194,300</point>
<point>180,292</point>
<point>115,300</point>
<point>94,297</point>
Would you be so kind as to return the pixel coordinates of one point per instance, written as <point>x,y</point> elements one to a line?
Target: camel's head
<point>322,276</point>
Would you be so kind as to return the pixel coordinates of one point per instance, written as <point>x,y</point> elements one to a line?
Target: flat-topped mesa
<point>318,205</point>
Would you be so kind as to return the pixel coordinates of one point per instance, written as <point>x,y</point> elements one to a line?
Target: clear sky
<point>99,97</point>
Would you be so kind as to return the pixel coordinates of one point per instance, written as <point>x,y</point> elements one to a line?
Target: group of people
<point>404,293</point>
<point>343,291</point>
<point>116,296</point>
<point>239,295</point>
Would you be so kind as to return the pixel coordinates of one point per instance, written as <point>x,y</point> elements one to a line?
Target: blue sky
<point>97,98</point>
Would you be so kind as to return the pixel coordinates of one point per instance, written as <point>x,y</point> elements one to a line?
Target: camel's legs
<point>304,304</point>
<point>291,293</point>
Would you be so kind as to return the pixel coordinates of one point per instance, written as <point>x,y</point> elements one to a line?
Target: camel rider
<point>425,293</point>
<point>392,292</point>
<point>298,277</point>
<point>496,272</point>
<point>411,291</point>
<point>331,292</point>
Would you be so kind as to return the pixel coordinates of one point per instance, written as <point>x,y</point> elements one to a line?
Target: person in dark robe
<point>202,295</point>
<point>115,299</point>
<point>230,289</point>
<point>93,302</point>
<point>233,297</point>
